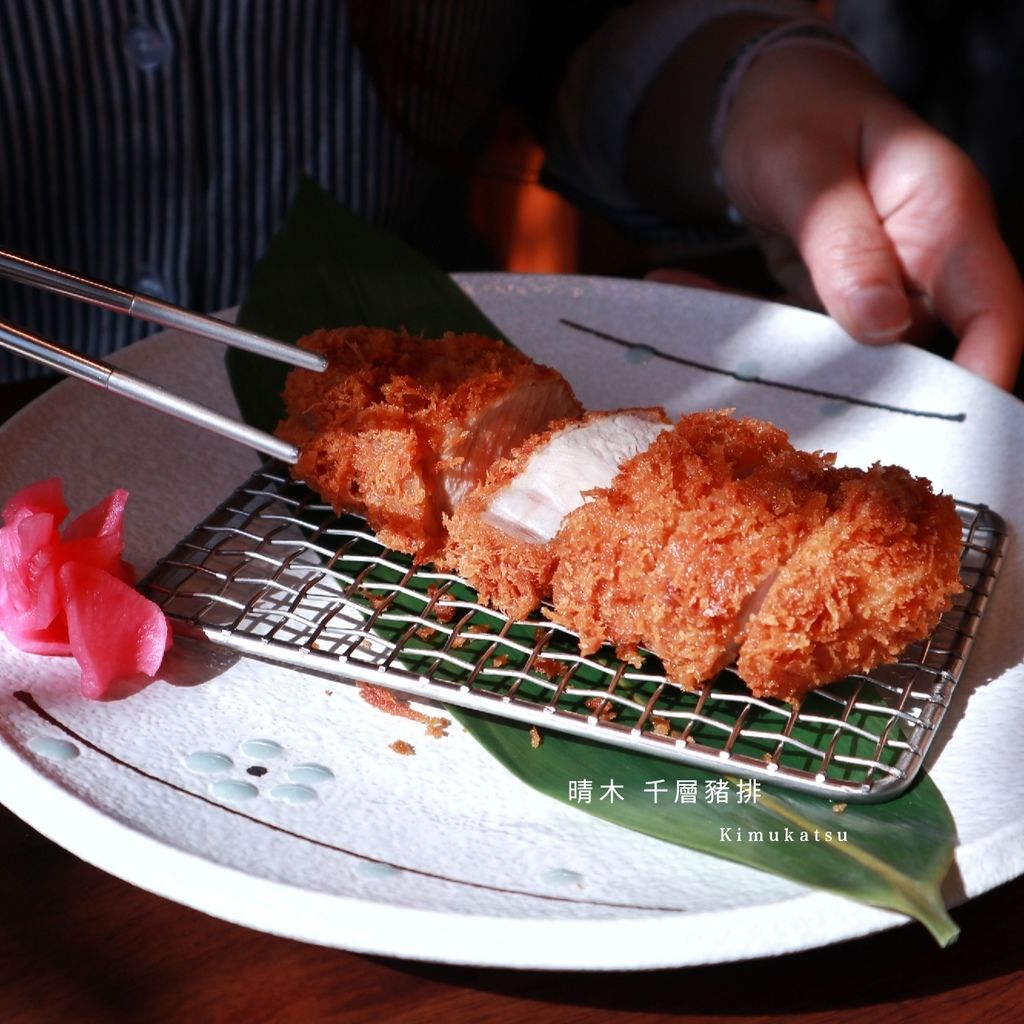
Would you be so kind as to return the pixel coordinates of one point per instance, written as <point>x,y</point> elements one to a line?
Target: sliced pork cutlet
<point>499,538</point>
<point>873,577</point>
<point>675,554</point>
<point>401,428</point>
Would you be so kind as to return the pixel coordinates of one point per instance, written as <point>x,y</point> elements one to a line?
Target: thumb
<point>853,264</point>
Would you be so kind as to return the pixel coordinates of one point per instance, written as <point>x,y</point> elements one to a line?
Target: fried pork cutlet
<point>675,553</point>
<point>499,538</point>
<point>401,428</point>
<point>706,543</point>
<point>875,576</point>
<point>722,538</point>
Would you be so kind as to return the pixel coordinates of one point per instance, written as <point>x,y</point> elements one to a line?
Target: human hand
<point>861,205</point>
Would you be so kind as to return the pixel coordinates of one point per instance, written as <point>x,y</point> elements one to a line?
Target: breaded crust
<point>670,557</point>
<point>509,572</point>
<point>510,564</point>
<point>400,428</point>
<point>719,542</point>
<point>875,576</point>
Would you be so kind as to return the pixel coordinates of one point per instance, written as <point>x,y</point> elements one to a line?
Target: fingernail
<point>880,311</point>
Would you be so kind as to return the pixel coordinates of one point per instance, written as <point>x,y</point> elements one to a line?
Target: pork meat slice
<point>673,556</point>
<point>499,538</point>
<point>723,542</point>
<point>400,428</point>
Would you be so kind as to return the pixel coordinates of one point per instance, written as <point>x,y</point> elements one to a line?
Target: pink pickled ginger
<point>114,632</point>
<point>70,593</point>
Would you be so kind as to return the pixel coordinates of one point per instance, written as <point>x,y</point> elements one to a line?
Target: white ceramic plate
<point>274,800</point>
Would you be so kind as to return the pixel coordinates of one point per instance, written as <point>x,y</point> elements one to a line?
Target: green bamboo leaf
<point>326,268</point>
<point>892,855</point>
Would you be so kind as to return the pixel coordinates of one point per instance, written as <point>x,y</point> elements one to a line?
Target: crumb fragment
<point>383,699</point>
<point>474,628</point>
<point>499,661</point>
<point>441,612</point>
<point>426,632</point>
<point>838,808</point>
<point>547,667</point>
<point>437,726</point>
<point>661,726</point>
<point>535,737</point>
<point>403,748</point>
<point>600,708</point>
<point>374,599</point>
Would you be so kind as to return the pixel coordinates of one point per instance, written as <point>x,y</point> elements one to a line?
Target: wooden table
<point>78,945</point>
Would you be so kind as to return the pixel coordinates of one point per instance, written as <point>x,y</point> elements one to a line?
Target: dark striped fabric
<point>156,143</point>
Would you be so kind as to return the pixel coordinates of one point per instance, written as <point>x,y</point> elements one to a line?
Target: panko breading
<point>675,554</point>
<point>875,576</point>
<point>723,540</point>
<point>709,542</point>
<point>401,428</point>
<point>499,538</point>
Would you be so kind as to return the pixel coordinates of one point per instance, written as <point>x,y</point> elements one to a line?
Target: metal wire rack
<point>275,574</point>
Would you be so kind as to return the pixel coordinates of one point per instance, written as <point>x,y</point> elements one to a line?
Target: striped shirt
<point>155,144</point>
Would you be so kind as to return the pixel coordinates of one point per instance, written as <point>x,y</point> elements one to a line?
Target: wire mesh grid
<point>274,573</point>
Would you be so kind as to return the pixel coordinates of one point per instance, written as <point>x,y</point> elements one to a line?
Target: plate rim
<point>855,921</point>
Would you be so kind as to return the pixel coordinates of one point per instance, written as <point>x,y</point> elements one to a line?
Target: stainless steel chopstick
<point>143,307</point>
<point>120,382</point>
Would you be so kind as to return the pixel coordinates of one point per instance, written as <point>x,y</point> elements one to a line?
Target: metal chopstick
<point>143,307</point>
<point>120,382</point>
